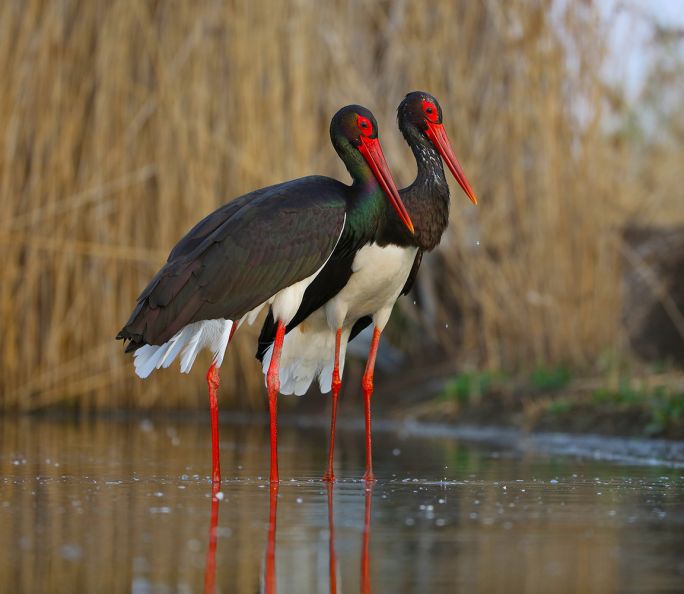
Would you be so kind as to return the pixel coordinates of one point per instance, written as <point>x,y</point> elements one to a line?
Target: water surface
<point>126,506</point>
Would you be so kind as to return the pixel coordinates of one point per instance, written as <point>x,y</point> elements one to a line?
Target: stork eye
<point>430,111</point>
<point>364,125</point>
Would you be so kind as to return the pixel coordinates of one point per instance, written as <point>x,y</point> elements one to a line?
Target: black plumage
<point>262,248</point>
<point>427,202</point>
<point>232,261</point>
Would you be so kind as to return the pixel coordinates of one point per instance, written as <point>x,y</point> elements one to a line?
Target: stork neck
<point>369,198</point>
<point>427,198</point>
<point>370,202</point>
<point>430,174</point>
<point>367,203</point>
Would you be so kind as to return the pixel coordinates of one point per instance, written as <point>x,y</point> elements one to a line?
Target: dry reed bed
<point>124,122</point>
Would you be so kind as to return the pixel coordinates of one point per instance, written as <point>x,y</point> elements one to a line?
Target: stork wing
<point>241,255</point>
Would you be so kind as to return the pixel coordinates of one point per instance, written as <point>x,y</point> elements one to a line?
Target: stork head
<point>420,113</point>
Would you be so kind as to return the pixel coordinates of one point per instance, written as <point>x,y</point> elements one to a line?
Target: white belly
<point>378,276</point>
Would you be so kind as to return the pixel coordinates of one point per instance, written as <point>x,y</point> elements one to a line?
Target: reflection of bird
<point>365,555</point>
<point>332,557</point>
<point>270,575</point>
<point>210,564</point>
<point>270,565</point>
<point>265,247</point>
<point>374,277</point>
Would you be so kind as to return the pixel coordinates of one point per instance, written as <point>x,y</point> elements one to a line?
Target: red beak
<point>372,151</point>
<point>437,134</point>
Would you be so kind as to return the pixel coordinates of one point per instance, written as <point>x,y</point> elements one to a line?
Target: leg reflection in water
<point>365,558</point>
<point>332,558</point>
<point>269,584</point>
<point>269,572</point>
<point>210,565</point>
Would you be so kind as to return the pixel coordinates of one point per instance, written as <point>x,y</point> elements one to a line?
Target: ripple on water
<point>128,503</point>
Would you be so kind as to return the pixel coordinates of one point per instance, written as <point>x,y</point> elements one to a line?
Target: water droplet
<point>300,500</point>
<point>220,495</point>
<point>396,451</point>
<point>553,481</point>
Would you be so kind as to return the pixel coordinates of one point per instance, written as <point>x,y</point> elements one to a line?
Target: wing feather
<point>240,256</point>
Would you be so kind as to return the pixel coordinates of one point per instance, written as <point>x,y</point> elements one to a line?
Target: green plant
<point>550,379</point>
<point>667,408</point>
<point>470,386</point>
<point>560,407</point>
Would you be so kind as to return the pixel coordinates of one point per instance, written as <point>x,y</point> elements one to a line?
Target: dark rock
<point>653,298</point>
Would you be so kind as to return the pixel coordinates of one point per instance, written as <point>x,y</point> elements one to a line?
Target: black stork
<point>356,289</point>
<point>265,247</point>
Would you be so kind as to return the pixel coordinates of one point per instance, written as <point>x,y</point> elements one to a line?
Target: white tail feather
<point>211,334</point>
<point>145,359</point>
<point>176,344</point>
<point>190,351</point>
<point>219,349</point>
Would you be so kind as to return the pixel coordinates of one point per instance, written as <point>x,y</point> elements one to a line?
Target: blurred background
<point>123,122</point>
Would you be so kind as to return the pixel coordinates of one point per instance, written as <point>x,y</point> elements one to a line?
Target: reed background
<point>124,122</point>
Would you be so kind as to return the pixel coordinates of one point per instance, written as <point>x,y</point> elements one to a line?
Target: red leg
<point>273,382</point>
<point>210,566</point>
<point>270,573</point>
<point>213,383</point>
<point>332,557</point>
<point>336,385</point>
<point>367,384</point>
<point>365,558</point>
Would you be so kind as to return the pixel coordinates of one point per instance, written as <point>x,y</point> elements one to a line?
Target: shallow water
<point>119,506</point>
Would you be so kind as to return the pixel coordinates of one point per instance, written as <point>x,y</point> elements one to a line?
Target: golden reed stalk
<point>124,122</point>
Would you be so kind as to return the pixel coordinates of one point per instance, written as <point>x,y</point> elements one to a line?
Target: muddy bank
<point>652,407</point>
